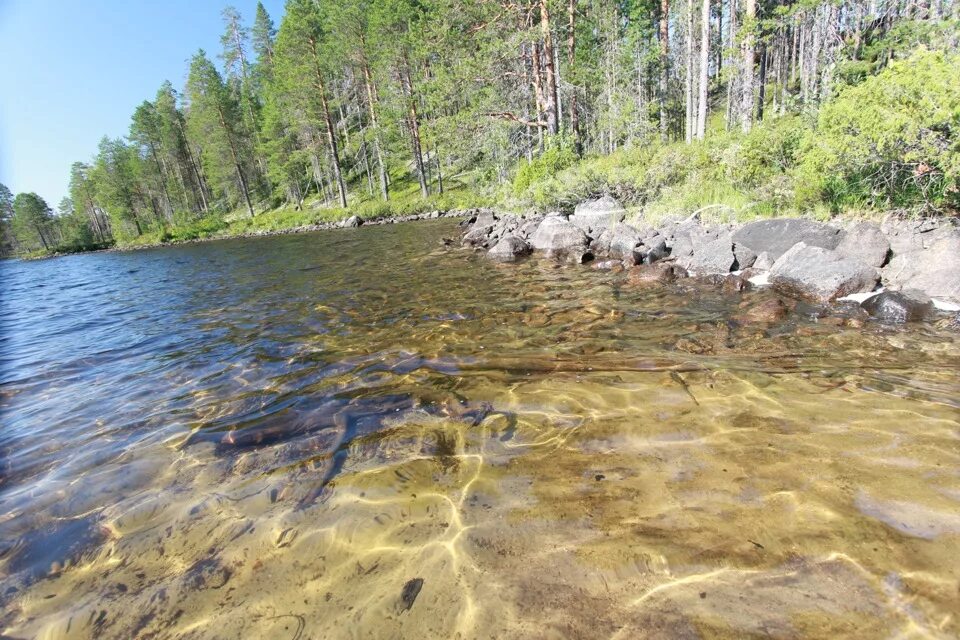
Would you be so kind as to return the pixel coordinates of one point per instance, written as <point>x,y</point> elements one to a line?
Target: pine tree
<point>213,118</point>
<point>302,63</point>
<point>33,221</point>
<point>7,239</point>
<point>262,37</point>
<point>177,147</point>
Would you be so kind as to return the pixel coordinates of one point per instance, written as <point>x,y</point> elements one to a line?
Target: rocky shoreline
<point>897,271</point>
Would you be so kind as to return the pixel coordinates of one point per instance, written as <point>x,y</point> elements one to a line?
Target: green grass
<point>405,199</point>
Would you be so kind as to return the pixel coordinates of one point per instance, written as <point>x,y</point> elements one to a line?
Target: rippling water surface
<point>361,434</point>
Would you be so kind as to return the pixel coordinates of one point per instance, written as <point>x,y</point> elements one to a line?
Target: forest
<point>739,108</point>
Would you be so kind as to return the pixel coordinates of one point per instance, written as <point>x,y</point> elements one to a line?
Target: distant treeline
<point>356,100</point>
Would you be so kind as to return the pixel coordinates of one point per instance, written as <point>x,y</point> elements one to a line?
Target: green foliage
<point>75,233</point>
<point>201,228</point>
<point>770,149</point>
<point>546,165</point>
<point>893,140</point>
<point>32,222</point>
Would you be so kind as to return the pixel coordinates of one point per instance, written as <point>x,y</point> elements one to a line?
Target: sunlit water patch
<point>363,434</point>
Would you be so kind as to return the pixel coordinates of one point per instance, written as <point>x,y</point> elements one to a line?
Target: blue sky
<point>72,72</point>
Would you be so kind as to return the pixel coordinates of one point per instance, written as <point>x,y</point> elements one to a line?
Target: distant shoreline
<point>321,226</point>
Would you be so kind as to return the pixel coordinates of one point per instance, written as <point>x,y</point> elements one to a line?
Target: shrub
<point>893,140</point>
<point>546,165</point>
<point>769,150</point>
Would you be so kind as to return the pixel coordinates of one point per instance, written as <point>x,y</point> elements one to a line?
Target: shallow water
<point>362,434</point>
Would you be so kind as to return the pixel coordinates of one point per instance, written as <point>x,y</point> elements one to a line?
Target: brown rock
<point>773,310</point>
<point>735,284</point>
<point>656,273</point>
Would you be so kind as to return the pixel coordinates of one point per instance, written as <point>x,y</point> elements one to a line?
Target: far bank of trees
<point>350,100</point>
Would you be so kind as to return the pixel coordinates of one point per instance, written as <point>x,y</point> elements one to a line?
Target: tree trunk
<point>366,164</point>
<point>747,108</point>
<point>436,153</point>
<point>664,66</point>
<point>236,162</point>
<point>550,105</point>
<point>688,81</point>
<point>193,165</point>
<point>163,183</point>
<point>96,222</point>
<point>763,82</point>
<point>377,147</point>
<point>704,70</point>
<point>42,239</point>
<point>538,89</point>
<point>331,133</point>
<point>571,61</point>
<point>413,122</point>
<point>731,81</point>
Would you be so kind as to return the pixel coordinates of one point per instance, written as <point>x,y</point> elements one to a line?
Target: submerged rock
<point>820,274</point>
<point>735,284</point>
<point>609,265</point>
<point>898,307</point>
<point>509,249</point>
<point>409,594</point>
<point>659,273</point>
<point>778,235</point>
<point>773,310</point>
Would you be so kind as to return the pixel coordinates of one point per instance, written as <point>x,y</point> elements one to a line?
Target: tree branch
<point>506,115</point>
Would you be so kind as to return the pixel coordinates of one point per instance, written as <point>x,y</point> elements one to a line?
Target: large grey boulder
<point>745,256</point>
<point>820,274</point>
<point>865,242</point>
<point>713,257</point>
<point>352,221</point>
<point>652,249</point>
<point>529,226</point>
<point>477,236</point>
<point>897,307</point>
<point>509,249</point>
<point>685,237</point>
<point>557,234</point>
<point>778,235</point>
<point>485,218</point>
<point>593,216</point>
<point>912,234</point>
<point>630,245</point>
<point>763,262</point>
<point>934,271</point>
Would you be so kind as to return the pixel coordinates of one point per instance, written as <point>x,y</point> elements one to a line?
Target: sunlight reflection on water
<point>362,434</point>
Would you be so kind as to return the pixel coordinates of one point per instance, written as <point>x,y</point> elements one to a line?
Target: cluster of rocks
<point>899,270</point>
<point>356,221</point>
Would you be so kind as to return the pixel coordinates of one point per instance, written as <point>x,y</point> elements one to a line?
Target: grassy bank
<point>405,200</point>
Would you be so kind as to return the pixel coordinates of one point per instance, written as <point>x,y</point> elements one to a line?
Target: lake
<point>365,434</point>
